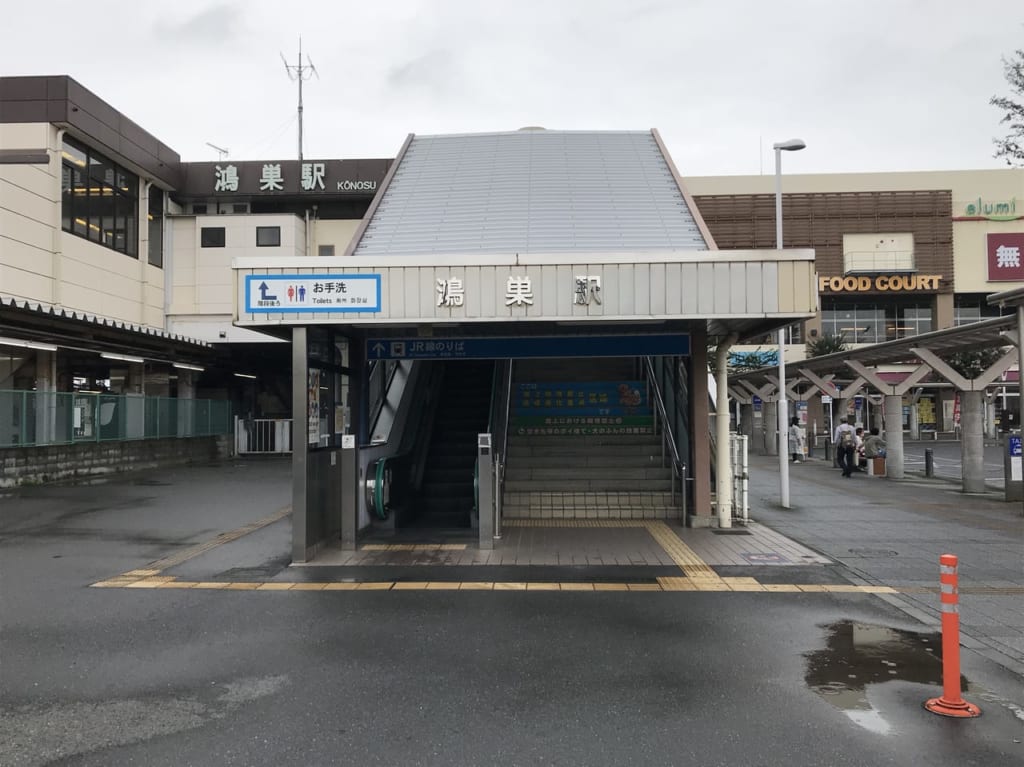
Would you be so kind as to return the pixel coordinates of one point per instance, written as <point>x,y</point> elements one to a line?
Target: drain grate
<point>873,553</point>
<point>730,531</point>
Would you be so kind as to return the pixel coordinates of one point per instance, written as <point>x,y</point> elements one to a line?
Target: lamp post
<point>793,145</point>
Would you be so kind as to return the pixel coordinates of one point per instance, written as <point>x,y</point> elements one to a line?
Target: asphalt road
<point>177,677</point>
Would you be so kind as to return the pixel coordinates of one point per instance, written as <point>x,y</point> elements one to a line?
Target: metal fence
<point>263,435</point>
<point>30,418</point>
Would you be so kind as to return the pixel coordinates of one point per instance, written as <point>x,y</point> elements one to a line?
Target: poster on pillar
<point>313,407</point>
<point>801,412</point>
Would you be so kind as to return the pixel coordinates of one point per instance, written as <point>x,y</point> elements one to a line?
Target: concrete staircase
<point>591,477</point>
<point>585,476</point>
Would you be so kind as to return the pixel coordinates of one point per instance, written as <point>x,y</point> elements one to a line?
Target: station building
<point>126,269</point>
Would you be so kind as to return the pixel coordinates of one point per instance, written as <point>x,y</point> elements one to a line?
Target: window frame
<point>264,230</point>
<point>217,242</point>
<point>99,199</point>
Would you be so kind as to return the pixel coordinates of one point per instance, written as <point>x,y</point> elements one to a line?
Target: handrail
<point>667,432</point>
<point>497,427</point>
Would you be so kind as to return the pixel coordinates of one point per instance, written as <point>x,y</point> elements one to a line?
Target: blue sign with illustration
<point>1014,443</point>
<point>582,398</point>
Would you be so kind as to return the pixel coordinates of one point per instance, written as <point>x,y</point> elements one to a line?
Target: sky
<point>870,85</point>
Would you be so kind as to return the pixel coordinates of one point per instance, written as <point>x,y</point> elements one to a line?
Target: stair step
<point>516,472</point>
<point>604,499</point>
<point>591,485</point>
<point>577,458</point>
<point>559,440</point>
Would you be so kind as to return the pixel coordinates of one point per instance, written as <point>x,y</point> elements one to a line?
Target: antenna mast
<point>222,152</point>
<point>299,72</point>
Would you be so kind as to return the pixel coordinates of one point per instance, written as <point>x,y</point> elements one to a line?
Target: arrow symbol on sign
<point>378,349</point>
<point>264,296</point>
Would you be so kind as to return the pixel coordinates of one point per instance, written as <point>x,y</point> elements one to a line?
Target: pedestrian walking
<point>845,440</point>
<point>796,440</point>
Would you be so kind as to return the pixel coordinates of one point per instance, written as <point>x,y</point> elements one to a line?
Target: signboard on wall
<point>276,293</point>
<point>1004,257</point>
<point>882,283</point>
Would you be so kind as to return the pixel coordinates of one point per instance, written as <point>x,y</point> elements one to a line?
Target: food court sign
<point>881,283</point>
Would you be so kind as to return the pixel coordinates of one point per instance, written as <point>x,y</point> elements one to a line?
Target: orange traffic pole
<point>950,704</point>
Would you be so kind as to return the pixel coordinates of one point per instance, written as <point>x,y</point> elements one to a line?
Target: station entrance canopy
<point>525,230</point>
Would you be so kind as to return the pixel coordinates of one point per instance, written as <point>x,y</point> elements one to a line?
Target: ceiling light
<point>27,344</point>
<point>122,357</point>
<point>183,366</point>
<point>245,375</point>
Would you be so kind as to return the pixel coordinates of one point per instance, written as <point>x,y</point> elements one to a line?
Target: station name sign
<point>891,283</point>
<point>284,177</point>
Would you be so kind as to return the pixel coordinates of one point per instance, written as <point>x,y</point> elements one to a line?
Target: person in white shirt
<point>845,440</point>
<point>796,440</point>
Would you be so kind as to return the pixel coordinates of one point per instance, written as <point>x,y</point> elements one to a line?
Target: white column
<point>893,411</point>
<point>972,441</point>
<point>723,459</point>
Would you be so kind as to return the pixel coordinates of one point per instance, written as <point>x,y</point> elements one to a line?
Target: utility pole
<point>299,72</point>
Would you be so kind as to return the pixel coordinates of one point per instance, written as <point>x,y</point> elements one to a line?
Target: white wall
<point>202,292</point>
<point>337,233</point>
<point>40,262</point>
<point>29,215</point>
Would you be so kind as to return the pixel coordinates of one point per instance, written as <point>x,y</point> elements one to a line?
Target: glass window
<point>240,207</point>
<point>67,197</point>
<point>325,250</point>
<point>973,307</point>
<point>212,237</point>
<point>268,236</point>
<point>99,199</point>
<point>872,322</point>
<point>156,226</point>
<point>199,210</point>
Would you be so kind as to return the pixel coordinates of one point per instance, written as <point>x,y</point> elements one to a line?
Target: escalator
<point>446,493</point>
<point>427,479</point>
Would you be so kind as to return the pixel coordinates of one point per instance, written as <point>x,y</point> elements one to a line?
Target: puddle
<point>858,655</point>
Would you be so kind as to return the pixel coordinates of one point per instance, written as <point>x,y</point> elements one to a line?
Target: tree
<point>971,364</point>
<point>1012,147</point>
<point>830,343</point>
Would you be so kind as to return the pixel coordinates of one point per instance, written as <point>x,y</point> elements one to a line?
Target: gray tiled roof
<point>531,191</point>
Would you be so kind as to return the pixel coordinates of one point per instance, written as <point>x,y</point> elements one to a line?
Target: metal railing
<point>668,437</point>
<point>261,436</point>
<point>36,418</point>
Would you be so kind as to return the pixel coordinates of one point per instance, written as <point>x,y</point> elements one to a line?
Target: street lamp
<point>793,145</point>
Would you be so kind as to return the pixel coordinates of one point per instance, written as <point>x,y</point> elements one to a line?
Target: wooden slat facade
<point>819,221</point>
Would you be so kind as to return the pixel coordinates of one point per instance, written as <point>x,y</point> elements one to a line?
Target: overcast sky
<point>869,85</point>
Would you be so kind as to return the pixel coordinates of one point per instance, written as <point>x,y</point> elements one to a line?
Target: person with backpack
<point>845,441</point>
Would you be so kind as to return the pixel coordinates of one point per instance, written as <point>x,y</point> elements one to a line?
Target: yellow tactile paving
<point>413,547</point>
<point>698,575</point>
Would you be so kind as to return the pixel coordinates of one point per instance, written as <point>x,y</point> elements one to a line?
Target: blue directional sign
<point>1015,446</point>
<point>277,293</point>
<point>527,347</point>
